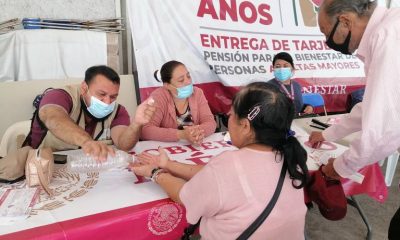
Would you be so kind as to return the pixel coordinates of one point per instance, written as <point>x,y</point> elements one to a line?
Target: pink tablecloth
<point>161,219</point>
<point>373,185</point>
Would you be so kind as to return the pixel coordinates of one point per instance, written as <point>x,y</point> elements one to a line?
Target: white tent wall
<point>394,3</point>
<point>74,9</point>
<point>77,9</point>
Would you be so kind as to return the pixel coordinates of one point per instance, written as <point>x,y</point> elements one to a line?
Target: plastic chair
<point>14,137</point>
<point>315,100</point>
<point>391,167</point>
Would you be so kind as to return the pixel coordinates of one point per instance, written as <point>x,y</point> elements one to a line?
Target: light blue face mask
<point>283,74</point>
<point>100,109</point>
<point>185,92</point>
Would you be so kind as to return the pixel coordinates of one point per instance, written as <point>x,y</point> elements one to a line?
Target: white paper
<point>16,204</point>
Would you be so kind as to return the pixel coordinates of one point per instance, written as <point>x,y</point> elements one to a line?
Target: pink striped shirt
<point>163,126</point>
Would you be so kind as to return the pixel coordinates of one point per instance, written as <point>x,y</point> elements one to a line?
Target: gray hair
<point>361,7</point>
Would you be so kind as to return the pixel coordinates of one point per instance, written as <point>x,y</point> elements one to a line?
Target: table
<point>111,204</point>
<point>304,123</point>
<point>119,205</point>
<point>374,183</point>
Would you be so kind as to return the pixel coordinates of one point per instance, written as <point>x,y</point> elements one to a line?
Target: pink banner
<point>226,44</point>
<point>335,93</point>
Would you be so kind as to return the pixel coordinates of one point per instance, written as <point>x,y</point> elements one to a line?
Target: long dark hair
<point>271,114</point>
<point>166,71</point>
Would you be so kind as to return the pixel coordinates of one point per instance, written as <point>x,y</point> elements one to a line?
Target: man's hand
<point>144,112</point>
<point>329,170</point>
<point>98,150</point>
<point>315,139</point>
<point>160,160</point>
<point>309,109</point>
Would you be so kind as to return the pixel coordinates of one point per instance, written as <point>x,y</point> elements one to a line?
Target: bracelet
<point>155,173</point>
<point>158,175</point>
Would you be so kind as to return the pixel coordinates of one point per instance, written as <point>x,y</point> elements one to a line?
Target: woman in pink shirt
<point>232,190</point>
<point>182,109</point>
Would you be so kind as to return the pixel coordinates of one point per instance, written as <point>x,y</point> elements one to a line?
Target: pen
<point>316,121</point>
<point>321,128</point>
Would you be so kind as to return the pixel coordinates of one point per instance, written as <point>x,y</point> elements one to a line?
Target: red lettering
<point>253,12</point>
<point>199,161</point>
<point>208,145</point>
<point>276,44</point>
<point>141,179</point>
<point>313,45</point>
<point>263,45</point>
<point>263,9</point>
<point>207,7</point>
<point>192,148</point>
<point>235,43</point>
<point>231,10</point>
<point>248,12</point>
<point>204,40</point>
<point>175,150</point>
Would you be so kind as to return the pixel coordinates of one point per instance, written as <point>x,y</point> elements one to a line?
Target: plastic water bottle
<point>80,162</point>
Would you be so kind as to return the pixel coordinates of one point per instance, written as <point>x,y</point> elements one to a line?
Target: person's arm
<point>380,134</point>
<point>54,114</point>
<point>153,130</point>
<point>200,195</point>
<point>181,170</point>
<point>126,137</point>
<point>347,125</point>
<point>58,122</point>
<point>171,185</point>
<point>206,118</point>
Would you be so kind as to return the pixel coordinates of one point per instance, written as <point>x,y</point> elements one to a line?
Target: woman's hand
<point>193,134</point>
<point>161,160</point>
<point>141,169</point>
<point>308,109</point>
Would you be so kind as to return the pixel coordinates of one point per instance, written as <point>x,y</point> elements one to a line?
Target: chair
<point>390,167</point>
<point>315,100</point>
<point>14,137</point>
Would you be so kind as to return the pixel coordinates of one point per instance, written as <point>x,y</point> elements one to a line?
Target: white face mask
<point>283,74</point>
<point>99,109</point>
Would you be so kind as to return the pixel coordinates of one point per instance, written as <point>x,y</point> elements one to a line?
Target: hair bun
<point>157,75</point>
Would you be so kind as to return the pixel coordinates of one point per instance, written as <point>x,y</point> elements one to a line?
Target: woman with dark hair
<point>182,109</point>
<point>232,190</point>
<point>283,73</point>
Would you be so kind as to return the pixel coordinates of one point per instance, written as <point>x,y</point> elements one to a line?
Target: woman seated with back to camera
<point>182,110</point>
<point>283,73</point>
<point>232,190</point>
